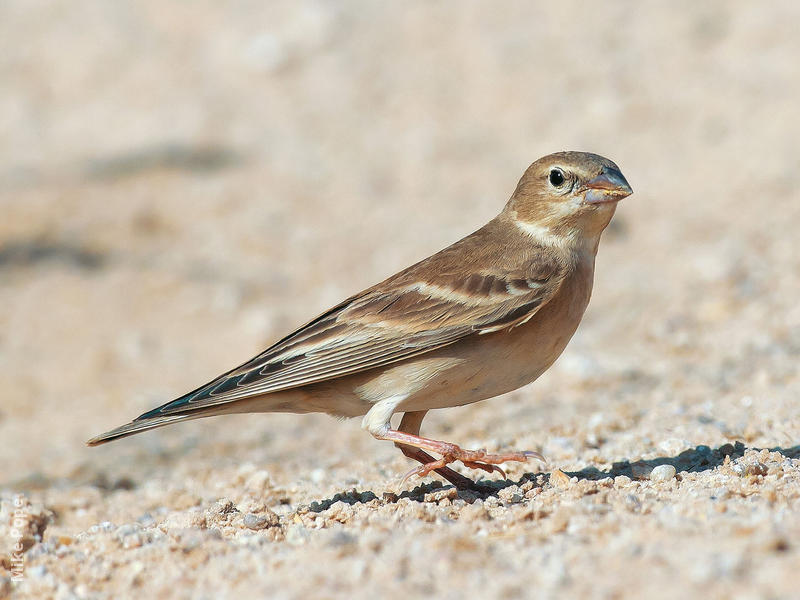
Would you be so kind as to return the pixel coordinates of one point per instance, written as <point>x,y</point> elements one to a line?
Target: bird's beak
<point>609,186</point>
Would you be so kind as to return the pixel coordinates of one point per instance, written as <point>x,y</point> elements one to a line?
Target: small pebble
<point>755,469</point>
<point>559,479</point>
<point>621,480</point>
<point>662,473</point>
<point>726,449</point>
<point>510,495</point>
<point>252,521</point>
<point>450,493</point>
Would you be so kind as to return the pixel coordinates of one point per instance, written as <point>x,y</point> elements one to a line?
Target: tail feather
<point>139,426</point>
<point>277,402</point>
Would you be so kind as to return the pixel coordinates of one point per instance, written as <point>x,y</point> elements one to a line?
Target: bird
<point>482,317</point>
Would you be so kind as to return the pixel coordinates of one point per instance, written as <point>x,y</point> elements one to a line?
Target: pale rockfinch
<point>484,316</point>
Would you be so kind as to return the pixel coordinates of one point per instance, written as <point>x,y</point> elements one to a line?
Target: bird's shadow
<point>694,460</point>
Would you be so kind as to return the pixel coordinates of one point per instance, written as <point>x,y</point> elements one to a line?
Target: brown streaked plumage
<point>484,316</point>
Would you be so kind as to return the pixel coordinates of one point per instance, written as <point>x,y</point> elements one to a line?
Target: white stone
<point>662,473</point>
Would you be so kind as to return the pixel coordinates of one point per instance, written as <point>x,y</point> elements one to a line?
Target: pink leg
<point>407,439</point>
<point>410,424</point>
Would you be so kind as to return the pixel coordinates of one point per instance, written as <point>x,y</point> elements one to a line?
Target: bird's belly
<point>491,370</point>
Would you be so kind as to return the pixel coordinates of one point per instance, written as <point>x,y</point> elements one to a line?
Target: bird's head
<point>568,193</point>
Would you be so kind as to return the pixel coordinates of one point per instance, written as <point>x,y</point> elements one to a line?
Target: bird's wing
<point>405,316</point>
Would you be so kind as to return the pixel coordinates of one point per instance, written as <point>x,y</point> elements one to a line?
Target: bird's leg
<point>410,424</point>
<point>474,459</point>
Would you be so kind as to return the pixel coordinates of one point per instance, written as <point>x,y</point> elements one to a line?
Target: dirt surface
<point>183,183</point>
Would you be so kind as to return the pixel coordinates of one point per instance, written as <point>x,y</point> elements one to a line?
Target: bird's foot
<point>472,459</point>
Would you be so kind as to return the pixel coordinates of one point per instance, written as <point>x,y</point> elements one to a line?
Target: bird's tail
<point>140,425</point>
<point>277,402</point>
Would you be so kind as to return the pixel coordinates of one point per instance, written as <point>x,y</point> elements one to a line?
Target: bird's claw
<point>422,470</point>
<point>534,454</point>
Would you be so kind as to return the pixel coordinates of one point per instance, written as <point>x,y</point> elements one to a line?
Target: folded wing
<point>414,312</point>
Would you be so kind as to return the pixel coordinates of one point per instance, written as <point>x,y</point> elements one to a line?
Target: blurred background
<point>183,183</point>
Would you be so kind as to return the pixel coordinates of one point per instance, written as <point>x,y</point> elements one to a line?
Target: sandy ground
<point>183,183</point>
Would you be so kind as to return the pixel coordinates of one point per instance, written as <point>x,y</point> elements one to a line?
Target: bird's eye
<point>556,177</point>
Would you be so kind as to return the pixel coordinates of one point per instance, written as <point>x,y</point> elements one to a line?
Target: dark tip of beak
<point>609,186</point>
